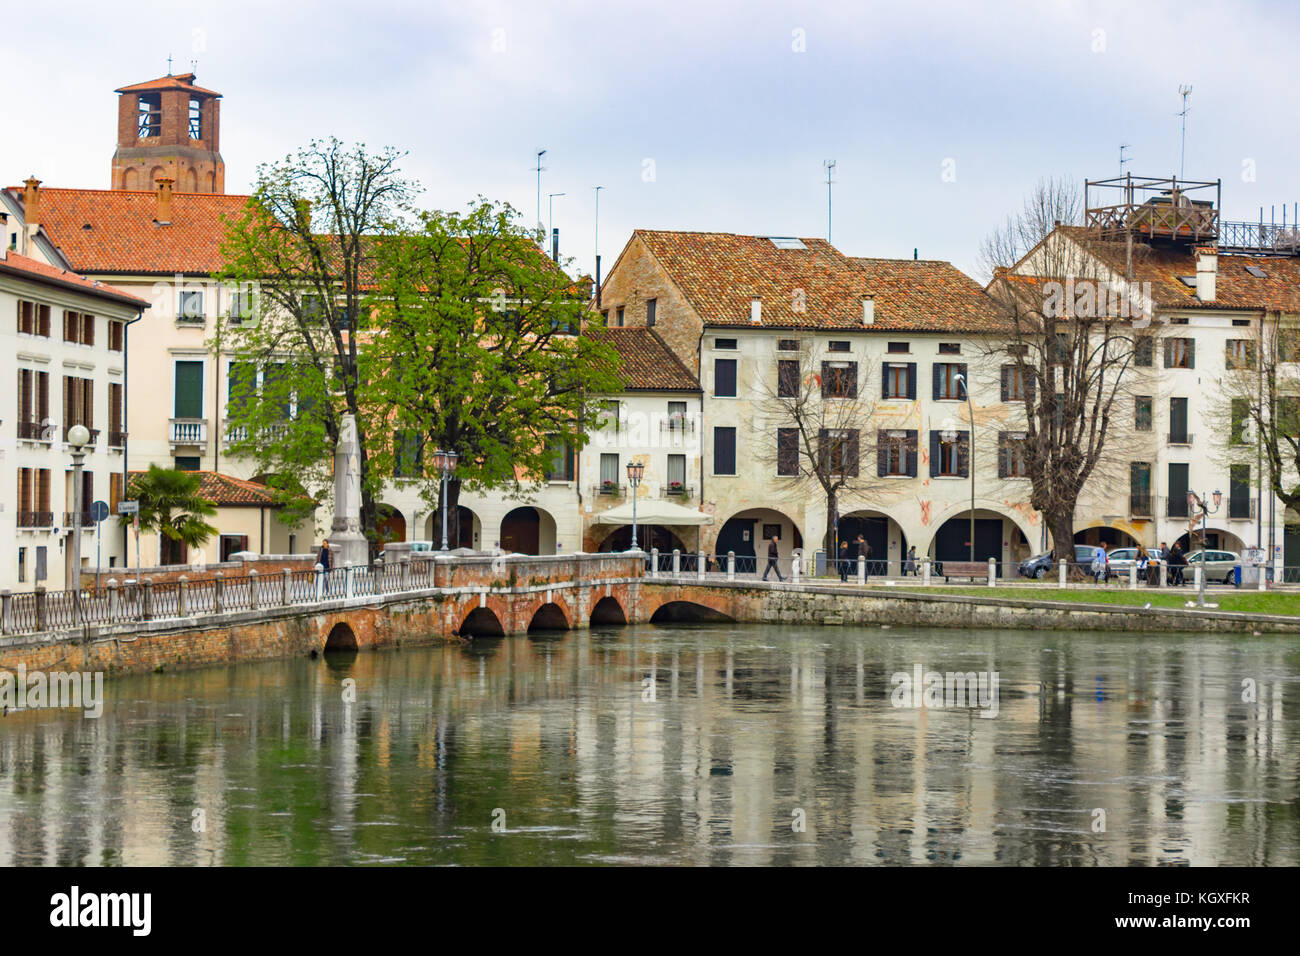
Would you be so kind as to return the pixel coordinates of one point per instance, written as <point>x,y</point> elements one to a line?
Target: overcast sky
<point>694,115</point>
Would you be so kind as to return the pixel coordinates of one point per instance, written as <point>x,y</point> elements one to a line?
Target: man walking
<point>772,553</point>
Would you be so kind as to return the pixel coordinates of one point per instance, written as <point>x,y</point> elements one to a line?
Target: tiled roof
<point>229,491</point>
<point>648,363</point>
<point>11,262</point>
<point>814,287</point>
<point>181,81</point>
<point>113,230</point>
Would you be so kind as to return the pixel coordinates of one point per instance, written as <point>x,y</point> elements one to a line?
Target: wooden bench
<point>964,569</point>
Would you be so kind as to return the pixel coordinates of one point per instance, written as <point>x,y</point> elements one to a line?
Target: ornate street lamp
<point>635,472</point>
<point>1201,503</point>
<point>78,438</point>
<point>445,463</point>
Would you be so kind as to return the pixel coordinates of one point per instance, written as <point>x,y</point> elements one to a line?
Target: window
<point>949,381</point>
<point>898,348</point>
<point>116,421</point>
<point>837,346</point>
<point>78,404</point>
<point>114,490</point>
<point>196,118</point>
<point>609,411</point>
<point>838,448</point>
<point>949,454</point>
<point>1239,353</point>
<point>899,380</point>
<point>78,327</point>
<point>1244,323</point>
<point>608,474</point>
<point>1017,383</point>
<point>1288,345</point>
<point>149,115</point>
<point>1181,320</point>
<point>560,467</point>
<point>726,345</point>
<point>1240,418</point>
<point>786,242</point>
<point>277,388</point>
<point>408,454</point>
<point>33,404</point>
<point>949,348</point>
<point>34,502</point>
<point>1180,353</point>
<point>117,336</point>
<point>620,316</point>
<point>771,531</point>
<point>787,345</point>
<point>1178,422</point>
<point>1139,489</point>
<point>1177,485</point>
<point>787,452</point>
<point>34,319</point>
<point>189,390</point>
<point>187,463</point>
<point>1012,455</point>
<point>724,450</point>
<point>677,416</point>
<point>896,453</point>
<point>787,378</point>
<point>1142,413</point>
<point>724,378</point>
<point>1288,415</point>
<point>1144,351</point>
<point>677,474</point>
<point>839,379</point>
<point>650,307</point>
<point>1239,500</point>
<point>22,564</point>
<point>242,306</point>
<point>189,308</point>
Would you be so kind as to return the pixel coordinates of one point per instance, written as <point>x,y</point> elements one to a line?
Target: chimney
<point>1207,271</point>
<point>163,196</point>
<point>32,202</point>
<point>555,245</point>
<point>598,282</point>
<point>756,309</point>
<point>868,310</point>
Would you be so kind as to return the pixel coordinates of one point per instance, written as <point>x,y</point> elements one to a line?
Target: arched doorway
<point>1216,539</point>
<point>471,529</point>
<point>481,622</point>
<point>608,611</point>
<point>884,536</point>
<point>341,638</point>
<point>747,532</point>
<point>390,524</point>
<point>1003,535</point>
<point>528,530</point>
<point>548,617</point>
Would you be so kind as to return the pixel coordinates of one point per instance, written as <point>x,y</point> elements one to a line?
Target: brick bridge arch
<point>708,603</point>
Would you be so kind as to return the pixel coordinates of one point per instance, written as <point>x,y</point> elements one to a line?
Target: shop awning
<point>653,511</point>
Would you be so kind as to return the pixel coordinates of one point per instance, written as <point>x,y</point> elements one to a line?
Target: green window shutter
<point>189,390</point>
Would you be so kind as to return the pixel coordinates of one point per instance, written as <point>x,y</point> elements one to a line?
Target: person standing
<point>843,561</point>
<point>1101,565</point>
<point>323,558</point>
<point>864,553</point>
<point>1176,562</point>
<point>910,566</point>
<point>773,552</point>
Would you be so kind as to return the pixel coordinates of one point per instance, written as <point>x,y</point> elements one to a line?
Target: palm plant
<point>170,503</point>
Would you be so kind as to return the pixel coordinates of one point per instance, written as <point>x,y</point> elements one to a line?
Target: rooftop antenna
<point>169,64</point>
<point>1122,158</point>
<point>829,164</point>
<point>540,169</point>
<point>194,66</point>
<point>1184,92</point>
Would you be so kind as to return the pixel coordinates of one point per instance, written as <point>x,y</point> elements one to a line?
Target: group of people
<point>1148,568</point>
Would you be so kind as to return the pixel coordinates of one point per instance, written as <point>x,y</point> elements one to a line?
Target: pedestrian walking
<point>1177,561</point>
<point>910,566</point>
<point>1101,565</point>
<point>843,561</point>
<point>772,553</point>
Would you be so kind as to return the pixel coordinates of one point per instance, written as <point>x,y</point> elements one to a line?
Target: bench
<point>964,569</point>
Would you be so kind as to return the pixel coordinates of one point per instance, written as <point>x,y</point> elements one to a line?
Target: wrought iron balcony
<point>87,519</point>
<point>35,431</point>
<point>36,519</point>
<point>609,489</point>
<point>1180,438</point>
<point>675,490</point>
<point>1140,506</point>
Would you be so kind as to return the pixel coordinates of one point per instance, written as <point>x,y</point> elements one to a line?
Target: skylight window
<point>1189,281</point>
<point>1256,271</point>
<point>786,242</point>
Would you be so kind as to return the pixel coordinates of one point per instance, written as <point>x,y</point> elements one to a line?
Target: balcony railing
<point>675,491</point>
<point>1139,506</point>
<point>36,519</point>
<point>116,439</point>
<point>676,423</point>
<point>189,431</point>
<point>1180,438</point>
<point>34,431</point>
<point>87,519</point>
<point>1176,507</point>
<point>1241,507</point>
<point>94,434</point>
<point>608,489</point>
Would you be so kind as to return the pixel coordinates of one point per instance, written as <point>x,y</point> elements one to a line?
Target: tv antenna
<point>829,165</point>
<point>1122,158</point>
<point>1184,92</point>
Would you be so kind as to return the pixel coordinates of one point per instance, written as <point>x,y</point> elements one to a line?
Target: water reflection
<point>676,745</point>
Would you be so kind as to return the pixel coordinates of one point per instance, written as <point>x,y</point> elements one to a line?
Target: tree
<point>302,258</point>
<point>1070,325</point>
<point>809,428</point>
<point>170,503</point>
<point>480,355</point>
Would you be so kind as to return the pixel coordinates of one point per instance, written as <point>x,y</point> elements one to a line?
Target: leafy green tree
<point>480,355</point>
<point>170,503</point>
<point>300,260</point>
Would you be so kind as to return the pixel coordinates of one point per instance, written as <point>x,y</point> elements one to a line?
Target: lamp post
<point>635,472</point>
<point>445,462</point>
<point>78,437</point>
<point>1200,503</point>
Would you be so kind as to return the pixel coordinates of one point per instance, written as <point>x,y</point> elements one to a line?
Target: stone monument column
<point>347,542</point>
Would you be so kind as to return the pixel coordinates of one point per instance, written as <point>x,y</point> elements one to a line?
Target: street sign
<point>128,507</point>
<point>99,511</point>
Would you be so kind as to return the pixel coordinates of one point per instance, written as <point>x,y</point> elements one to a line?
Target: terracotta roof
<point>813,287</point>
<point>649,365</point>
<point>181,81</point>
<point>14,264</point>
<point>124,238</point>
<point>229,491</point>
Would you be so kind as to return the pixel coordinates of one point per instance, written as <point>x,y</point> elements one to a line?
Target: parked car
<point>1038,566</point>
<point>1219,565</point>
<point>1121,558</point>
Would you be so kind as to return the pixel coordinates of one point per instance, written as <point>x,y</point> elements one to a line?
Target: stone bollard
<point>1063,572</point>
<point>286,586</point>
<point>993,572</point>
<point>218,593</point>
<point>113,599</point>
<point>654,562</point>
<point>182,596</point>
<point>320,581</point>
<point>796,562</point>
<point>1133,576</point>
<point>40,608</point>
<point>699,568</point>
<point>405,574</point>
<point>731,565</point>
<point>925,572</point>
<point>253,596</point>
<point>347,580</point>
<point>1262,584</point>
<point>1164,574</point>
<point>1196,577</point>
<point>1279,572</point>
<point>862,570</point>
<point>146,600</point>
<point>677,562</point>
<point>6,610</point>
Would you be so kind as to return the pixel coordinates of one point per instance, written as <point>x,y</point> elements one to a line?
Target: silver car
<point>1121,558</point>
<point>1219,565</point>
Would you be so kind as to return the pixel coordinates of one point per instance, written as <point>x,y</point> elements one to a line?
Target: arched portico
<point>528,530</point>
<point>883,533</point>
<point>996,524</point>
<point>747,533</point>
<point>471,529</point>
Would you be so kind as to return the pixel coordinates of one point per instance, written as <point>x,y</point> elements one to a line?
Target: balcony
<point>1176,507</point>
<point>676,490</point>
<point>1241,507</point>
<point>35,431</point>
<point>188,431</point>
<point>608,489</point>
<point>36,519</point>
<point>87,520</point>
<point>116,439</point>
<point>676,424</point>
<point>1179,438</point>
<point>1140,506</point>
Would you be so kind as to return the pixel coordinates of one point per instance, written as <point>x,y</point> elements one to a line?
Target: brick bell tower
<point>169,128</point>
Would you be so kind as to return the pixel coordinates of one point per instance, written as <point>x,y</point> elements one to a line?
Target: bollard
<point>406,574</point>
<point>320,581</point>
<point>1133,576</point>
<point>1063,572</point>
<point>677,562</point>
<point>1196,577</point>
<point>654,562</point>
<point>796,562</point>
<point>1262,583</point>
<point>1164,574</point>
<point>699,569</point>
<point>6,610</point>
<point>862,570</point>
<point>347,580</point>
<point>731,565</point>
<point>113,598</point>
<point>993,572</point>
<point>146,601</point>
<point>252,589</point>
<point>182,596</point>
<point>286,585</point>
<point>925,572</point>
<point>40,608</point>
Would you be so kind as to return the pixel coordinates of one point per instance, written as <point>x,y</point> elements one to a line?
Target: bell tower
<point>169,128</point>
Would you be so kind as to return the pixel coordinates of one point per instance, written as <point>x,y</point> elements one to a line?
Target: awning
<point>653,511</point>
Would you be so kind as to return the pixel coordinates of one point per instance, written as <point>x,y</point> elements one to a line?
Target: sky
<point>700,115</point>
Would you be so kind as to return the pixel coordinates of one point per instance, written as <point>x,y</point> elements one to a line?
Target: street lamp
<point>445,462</point>
<point>1201,503</point>
<point>970,463</point>
<point>635,472</point>
<point>78,437</point>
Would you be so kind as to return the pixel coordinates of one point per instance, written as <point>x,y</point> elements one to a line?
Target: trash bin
<point>1236,575</point>
<point>820,562</point>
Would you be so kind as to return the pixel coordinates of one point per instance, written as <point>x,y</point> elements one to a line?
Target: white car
<point>1219,565</point>
<point>1121,558</point>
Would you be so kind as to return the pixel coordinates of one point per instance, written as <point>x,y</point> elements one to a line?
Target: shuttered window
<point>724,450</point>
<point>787,452</point>
<point>189,390</point>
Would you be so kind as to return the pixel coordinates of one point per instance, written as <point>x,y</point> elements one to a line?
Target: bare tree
<point>813,424</point>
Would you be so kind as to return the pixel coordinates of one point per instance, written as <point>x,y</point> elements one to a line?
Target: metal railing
<point>1179,438</point>
<point>1139,506</point>
<point>36,519</point>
